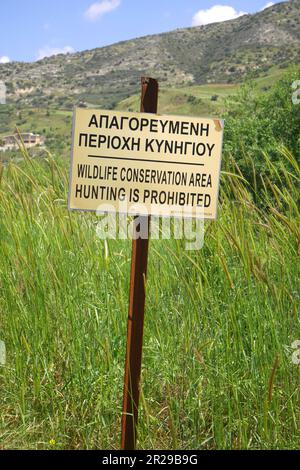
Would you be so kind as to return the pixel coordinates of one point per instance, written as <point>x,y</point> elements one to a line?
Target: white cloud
<point>267,5</point>
<point>216,14</point>
<point>49,51</point>
<point>98,9</point>
<point>4,59</point>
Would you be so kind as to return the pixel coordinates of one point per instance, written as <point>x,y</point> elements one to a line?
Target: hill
<point>225,52</point>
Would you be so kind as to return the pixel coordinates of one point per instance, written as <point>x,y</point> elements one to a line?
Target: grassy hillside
<point>205,100</point>
<point>54,124</point>
<point>220,322</point>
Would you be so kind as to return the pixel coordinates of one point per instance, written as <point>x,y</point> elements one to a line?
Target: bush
<point>257,124</point>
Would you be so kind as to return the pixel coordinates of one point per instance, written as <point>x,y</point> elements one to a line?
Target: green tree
<point>262,123</point>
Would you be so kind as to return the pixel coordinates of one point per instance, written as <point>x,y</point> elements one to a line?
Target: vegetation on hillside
<point>217,368</point>
<point>260,124</point>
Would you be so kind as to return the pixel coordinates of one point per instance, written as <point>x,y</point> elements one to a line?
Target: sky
<point>33,29</point>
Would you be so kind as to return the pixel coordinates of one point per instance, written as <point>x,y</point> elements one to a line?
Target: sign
<point>145,164</point>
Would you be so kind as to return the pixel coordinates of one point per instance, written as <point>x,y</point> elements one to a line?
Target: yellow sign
<point>145,164</point>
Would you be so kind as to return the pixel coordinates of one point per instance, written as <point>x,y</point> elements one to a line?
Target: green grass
<point>55,123</point>
<point>36,120</point>
<point>217,369</point>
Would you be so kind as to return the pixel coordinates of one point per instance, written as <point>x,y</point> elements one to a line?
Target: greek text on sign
<point>145,164</point>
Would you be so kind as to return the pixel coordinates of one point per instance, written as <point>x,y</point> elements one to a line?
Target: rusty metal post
<point>149,98</point>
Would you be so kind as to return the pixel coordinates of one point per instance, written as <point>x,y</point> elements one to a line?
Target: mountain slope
<point>217,53</point>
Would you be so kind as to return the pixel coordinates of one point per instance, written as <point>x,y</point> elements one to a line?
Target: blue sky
<point>31,29</point>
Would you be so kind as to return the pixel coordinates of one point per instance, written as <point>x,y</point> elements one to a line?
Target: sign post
<point>143,164</point>
<point>137,296</point>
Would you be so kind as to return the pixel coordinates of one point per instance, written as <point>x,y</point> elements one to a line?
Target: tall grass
<point>217,368</point>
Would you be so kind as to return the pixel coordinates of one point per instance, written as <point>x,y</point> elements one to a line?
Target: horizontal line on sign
<point>144,160</point>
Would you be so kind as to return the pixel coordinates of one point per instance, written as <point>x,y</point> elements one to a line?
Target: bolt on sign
<point>145,164</point>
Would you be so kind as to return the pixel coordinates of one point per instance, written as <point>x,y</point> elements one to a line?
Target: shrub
<point>257,124</point>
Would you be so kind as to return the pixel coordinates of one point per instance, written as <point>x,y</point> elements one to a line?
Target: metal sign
<point>143,164</point>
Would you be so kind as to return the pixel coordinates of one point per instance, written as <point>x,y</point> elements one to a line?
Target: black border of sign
<point>96,458</point>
